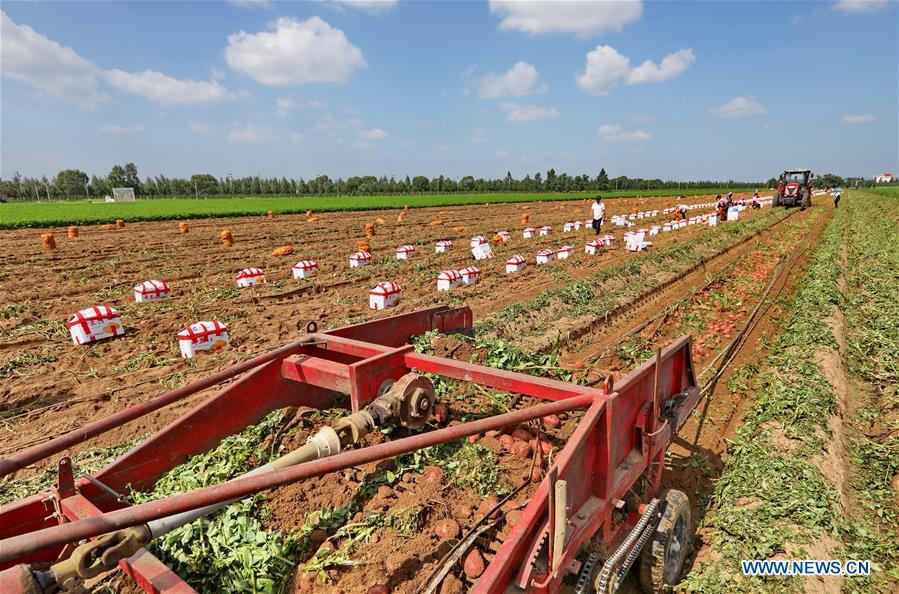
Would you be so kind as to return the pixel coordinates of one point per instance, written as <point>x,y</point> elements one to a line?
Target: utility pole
<point>196,191</point>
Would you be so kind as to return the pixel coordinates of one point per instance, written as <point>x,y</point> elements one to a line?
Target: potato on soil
<point>521,449</point>
<point>441,414</point>
<point>432,474</point>
<point>551,421</point>
<point>474,564</point>
<point>447,528</point>
<point>522,434</point>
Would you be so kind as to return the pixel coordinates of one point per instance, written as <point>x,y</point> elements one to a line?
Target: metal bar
<point>499,378</point>
<point>318,372</point>
<point>31,455</point>
<point>18,546</point>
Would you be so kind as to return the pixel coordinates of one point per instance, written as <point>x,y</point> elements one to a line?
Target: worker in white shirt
<point>599,213</point>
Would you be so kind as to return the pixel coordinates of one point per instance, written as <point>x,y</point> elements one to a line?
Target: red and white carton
<point>545,230</point>
<point>588,224</point>
<point>640,215</point>
<point>443,246</point>
<point>505,236</point>
<point>577,225</point>
<point>405,252</point>
<point>477,240</point>
<point>482,252</point>
<point>681,224</point>
<point>666,227</point>
<point>609,240</point>
<point>95,323</point>
<point>529,233</point>
<point>636,242</point>
<point>470,275</point>
<point>304,268</point>
<point>563,252</point>
<point>448,279</point>
<point>250,276</point>
<point>515,264</point>
<point>359,259</point>
<point>545,256</point>
<point>385,294</point>
<point>202,336</point>
<point>151,290</point>
<point>568,227</point>
<point>654,230</point>
<point>594,247</point>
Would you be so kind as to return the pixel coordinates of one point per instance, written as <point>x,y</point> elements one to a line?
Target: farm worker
<point>730,199</point>
<point>837,193</point>
<point>599,213</point>
<point>722,207</point>
<point>680,213</point>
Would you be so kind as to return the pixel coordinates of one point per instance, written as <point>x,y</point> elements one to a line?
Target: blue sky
<point>731,89</point>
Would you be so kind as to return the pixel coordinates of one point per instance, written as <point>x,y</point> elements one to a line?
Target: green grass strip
<point>16,215</point>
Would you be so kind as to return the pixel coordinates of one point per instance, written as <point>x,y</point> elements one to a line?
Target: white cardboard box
<point>405,252</point>
<point>250,276</point>
<point>95,323</point>
<point>151,290</point>
<point>304,268</point>
<point>202,336</point>
<point>385,294</point>
<point>515,264</point>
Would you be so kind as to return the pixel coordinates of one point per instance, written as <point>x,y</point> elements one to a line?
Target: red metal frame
<point>614,455</point>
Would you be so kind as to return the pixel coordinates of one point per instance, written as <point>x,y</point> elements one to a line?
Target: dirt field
<point>50,386</point>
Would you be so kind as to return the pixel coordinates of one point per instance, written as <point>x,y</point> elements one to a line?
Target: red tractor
<point>794,188</point>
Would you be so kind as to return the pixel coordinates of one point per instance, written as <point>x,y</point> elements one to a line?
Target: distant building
<point>884,178</point>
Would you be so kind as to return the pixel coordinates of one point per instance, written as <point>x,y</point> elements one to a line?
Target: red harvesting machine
<point>598,507</point>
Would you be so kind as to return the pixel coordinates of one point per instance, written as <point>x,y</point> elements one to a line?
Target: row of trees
<point>75,184</point>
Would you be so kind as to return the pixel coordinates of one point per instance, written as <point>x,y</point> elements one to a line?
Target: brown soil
<point>54,387</point>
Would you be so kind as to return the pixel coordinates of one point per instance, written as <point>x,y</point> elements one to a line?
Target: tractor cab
<point>794,188</point>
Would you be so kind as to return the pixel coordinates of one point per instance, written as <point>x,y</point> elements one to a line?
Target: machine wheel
<point>663,557</point>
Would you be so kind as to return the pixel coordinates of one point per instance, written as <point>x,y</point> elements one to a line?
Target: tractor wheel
<point>663,557</point>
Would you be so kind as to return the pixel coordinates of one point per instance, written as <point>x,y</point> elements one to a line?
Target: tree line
<point>74,184</point>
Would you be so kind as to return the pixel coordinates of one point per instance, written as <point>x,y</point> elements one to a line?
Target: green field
<point>56,214</point>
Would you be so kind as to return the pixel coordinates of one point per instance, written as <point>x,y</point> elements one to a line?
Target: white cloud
<point>478,136</point>
<point>614,133</point>
<point>375,134</point>
<point>31,58</point>
<point>446,147</point>
<point>284,105</point>
<point>582,19</point>
<point>857,6</point>
<point>117,130</point>
<point>527,113</point>
<point>739,107</point>
<point>252,133</point>
<point>864,118</point>
<point>502,153</point>
<point>252,4</point>
<point>217,73</point>
<point>370,6</point>
<point>200,128</point>
<point>366,138</point>
<point>162,88</point>
<point>606,68</point>
<point>297,136</point>
<point>518,81</point>
<point>294,53</point>
<point>671,66</point>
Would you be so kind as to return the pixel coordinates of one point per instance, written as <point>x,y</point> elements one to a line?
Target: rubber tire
<point>662,549</point>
